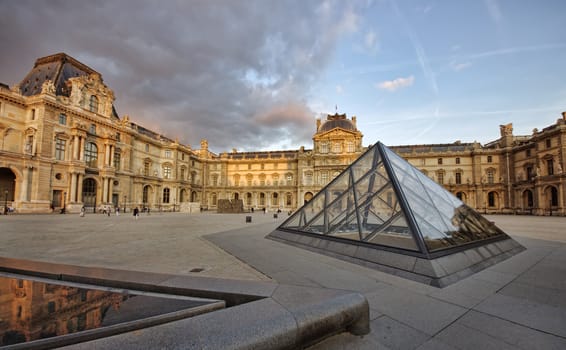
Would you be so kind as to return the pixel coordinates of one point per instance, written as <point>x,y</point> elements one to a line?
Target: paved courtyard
<point>517,304</point>
<point>159,242</point>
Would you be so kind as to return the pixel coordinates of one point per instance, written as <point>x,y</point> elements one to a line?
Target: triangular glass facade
<point>383,201</point>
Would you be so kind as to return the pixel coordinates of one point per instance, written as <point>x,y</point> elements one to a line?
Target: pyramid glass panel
<point>454,223</point>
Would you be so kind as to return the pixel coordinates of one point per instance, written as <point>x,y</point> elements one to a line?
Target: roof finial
<point>336,109</point>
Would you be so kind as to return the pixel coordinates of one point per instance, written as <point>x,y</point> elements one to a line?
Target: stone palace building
<point>63,145</point>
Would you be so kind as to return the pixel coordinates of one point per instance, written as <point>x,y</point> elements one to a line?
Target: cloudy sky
<point>254,75</point>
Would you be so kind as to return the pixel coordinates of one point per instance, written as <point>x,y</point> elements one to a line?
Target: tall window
<point>262,198</point>
<point>183,173</point>
<point>548,143</point>
<point>323,147</point>
<point>62,119</point>
<point>146,169</point>
<point>93,105</point>
<point>215,180</point>
<point>275,199</point>
<point>439,161</point>
<point>440,177</point>
<point>117,159</point>
<point>248,198</point>
<point>324,178</point>
<point>167,171</point>
<point>489,159</point>
<point>458,178</point>
<point>166,193</point>
<point>236,180</point>
<point>457,160</point>
<point>308,178</point>
<point>490,176</point>
<point>60,149</point>
<point>289,179</point>
<point>29,144</point>
<point>337,147</point>
<point>91,155</point>
<point>350,146</point>
<point>550,166</point>
<point>529,171</point>
<point>288,199</point>
<point>167,154</point>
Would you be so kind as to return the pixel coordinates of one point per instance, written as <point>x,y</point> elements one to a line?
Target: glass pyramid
<point>382,201</point>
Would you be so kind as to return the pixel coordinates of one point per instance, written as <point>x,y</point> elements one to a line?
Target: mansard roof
<point>57,68</point>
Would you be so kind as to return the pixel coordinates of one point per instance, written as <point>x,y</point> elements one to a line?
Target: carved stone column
<point>80,187</point>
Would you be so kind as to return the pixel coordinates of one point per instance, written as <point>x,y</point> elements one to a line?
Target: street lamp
<point>6,202</point>
<point>125,198</point>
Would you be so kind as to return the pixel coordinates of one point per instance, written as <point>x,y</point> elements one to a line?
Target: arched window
<point>166,194</point>
<point>213,199</point>
<point>262,198</point>
<point>93,105</point>
<point>288,199</point>
<point>275,199</point>
<point>91,155</point>
<point>461,196</point>
<point>248,198</point>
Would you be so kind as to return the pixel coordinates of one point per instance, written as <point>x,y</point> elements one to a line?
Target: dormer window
<point>93,104</point>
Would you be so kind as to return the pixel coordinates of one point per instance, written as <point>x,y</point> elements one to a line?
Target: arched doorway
<point>528,202</point>
<point>248,199</point>
<point>183,196</point>
<point>89,194</point>
<point>308,197</point>
<point>194,196</point>
<point>145,195</point>
<point>7,187</point>
<point>461,196</point>
<point>551,194</point>
<point>236,196</point>
<point>493,200</point>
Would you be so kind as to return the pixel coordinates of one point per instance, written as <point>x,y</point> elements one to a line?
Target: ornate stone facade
<point>64,146</point>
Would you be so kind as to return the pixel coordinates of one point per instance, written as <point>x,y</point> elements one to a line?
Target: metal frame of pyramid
<point>384,213</point>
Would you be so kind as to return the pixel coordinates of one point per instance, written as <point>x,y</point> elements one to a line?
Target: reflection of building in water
<point>63,144</point>
<point>32,310</point>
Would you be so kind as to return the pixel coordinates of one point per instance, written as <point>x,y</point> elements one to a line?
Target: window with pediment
<point>93,104</point>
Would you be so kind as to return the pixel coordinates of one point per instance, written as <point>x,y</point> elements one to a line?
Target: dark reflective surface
<point>31,310</point>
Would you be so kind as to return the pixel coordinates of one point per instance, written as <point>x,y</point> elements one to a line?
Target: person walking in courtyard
<point>82,212</point>
<point>136,213</point>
